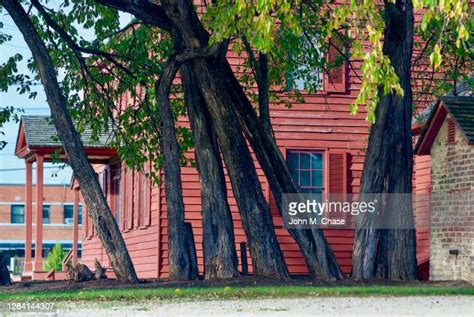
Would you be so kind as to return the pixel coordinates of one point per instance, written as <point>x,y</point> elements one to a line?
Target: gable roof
<point>39,132</point>
<point>460,108</point>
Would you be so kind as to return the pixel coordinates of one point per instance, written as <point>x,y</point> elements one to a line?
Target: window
<point>69,214</point>
<point>104,181</point>
<point>306,168</point>
<point>304,77</point>
<point>17,214</point>
<point>307,66</point>
<point>79,216</point>
<point>46,214</point>
<point>117,196</point>
<point>142,200</point>
<point>125,207</point>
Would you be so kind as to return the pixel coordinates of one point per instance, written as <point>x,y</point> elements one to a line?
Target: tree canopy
<point>117,63</point>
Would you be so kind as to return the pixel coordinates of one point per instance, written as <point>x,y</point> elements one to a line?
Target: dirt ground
<point>21,287</point>
<point>313,306</point>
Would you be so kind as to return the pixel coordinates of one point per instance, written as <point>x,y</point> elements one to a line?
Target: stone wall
<point>452,208</point>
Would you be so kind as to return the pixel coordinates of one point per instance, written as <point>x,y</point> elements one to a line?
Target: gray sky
<point>11,168</point>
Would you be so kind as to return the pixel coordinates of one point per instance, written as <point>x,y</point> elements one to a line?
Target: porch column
<point>38,266</point>
<point>28,214</point>
<point>75,230</point>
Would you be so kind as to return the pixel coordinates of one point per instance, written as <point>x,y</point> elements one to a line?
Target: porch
<point>37,143</point>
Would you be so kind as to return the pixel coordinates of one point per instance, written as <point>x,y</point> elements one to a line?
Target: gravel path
<point>295,307</point>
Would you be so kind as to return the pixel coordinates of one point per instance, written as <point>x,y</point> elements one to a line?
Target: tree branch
<point>102,218</point>
<point>146,11</point>
<point>252,59</point>
<point>73,45</point>
<point>260,70</point>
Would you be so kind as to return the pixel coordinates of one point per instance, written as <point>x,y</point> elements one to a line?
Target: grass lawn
<point>191,293</point>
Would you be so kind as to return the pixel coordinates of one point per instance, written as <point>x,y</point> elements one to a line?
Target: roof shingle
<point>461,109</point>
<point>40,132</point>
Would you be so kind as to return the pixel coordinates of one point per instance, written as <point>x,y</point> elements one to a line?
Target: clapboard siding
<point>422,185</point>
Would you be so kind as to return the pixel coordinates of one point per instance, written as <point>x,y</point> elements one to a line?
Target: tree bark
<point>267,258</point>
<point>180,258</point>
<point>5,279</point>
<point>102,218</point>
<point>220,256</point>
<point>260,70</point>
<point>191,249</point>
<point>318,255</point>
<point>388,167</point>
<point>263,93</point>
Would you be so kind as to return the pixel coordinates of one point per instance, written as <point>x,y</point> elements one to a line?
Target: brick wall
<point>55,196</point>
<point>452,209</point>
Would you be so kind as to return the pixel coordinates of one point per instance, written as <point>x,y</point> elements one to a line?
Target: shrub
<point>55,258</point>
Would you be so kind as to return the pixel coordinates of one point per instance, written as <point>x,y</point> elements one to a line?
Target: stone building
<point>448,138</point>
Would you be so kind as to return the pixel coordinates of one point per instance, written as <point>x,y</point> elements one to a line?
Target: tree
<point>388,165</point>
<point>265,251</point>
<point>4,273</point>
<point>55,258</point>
<point>284,34</point>
<point>219,98</point>
<point>390,252</point>
<point>225,262</point>
<point>220,256</point>
<point>102,218</point>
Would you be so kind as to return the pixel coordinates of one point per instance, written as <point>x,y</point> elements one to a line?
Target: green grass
<point>192,293</point>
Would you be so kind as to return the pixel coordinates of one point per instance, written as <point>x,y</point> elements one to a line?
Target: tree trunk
<point>99,210</point>
<point>80,273</point>
<point>391,253</point>
<point>191,249</point>
<point>267,258</point>
<point>220,256</point>
<point>318,255</point>
<point>5,279</point>
<point>263,93</point>
<point>180,258</point>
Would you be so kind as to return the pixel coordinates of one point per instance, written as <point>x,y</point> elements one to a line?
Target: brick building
<point>448,139</point>
<point>57,218</point>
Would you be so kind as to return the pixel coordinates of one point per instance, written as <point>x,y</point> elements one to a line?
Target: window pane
<point>143,206</point>
<point>316,196</point>
<point>46,214</point>
<point>292,159</point>
<point>68,214</point>
<point>317,190</point>
<point>17,214</point>
<point>307,170</point>
<point>80,215</point>
<point>305,178</point>
<point>316,161</point>
<point>125,198</point>
<point>117,200</point>
<point>317,179</point>
<point>305,161</point>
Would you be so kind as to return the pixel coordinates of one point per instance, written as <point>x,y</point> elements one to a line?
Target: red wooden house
<point>322,143</point>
